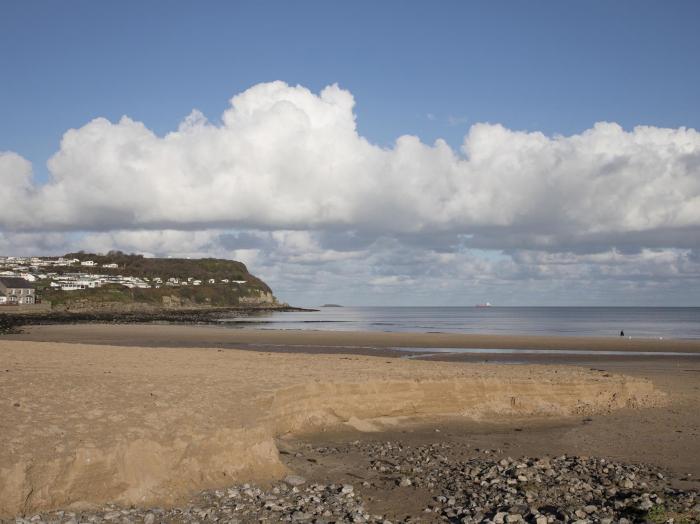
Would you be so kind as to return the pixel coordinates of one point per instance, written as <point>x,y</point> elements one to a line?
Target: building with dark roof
<point>17,291</point>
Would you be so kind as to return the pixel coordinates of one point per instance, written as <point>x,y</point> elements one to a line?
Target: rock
<point>405,481</point>
<point>298,516</point>
<point>294,480</point>
<point>347,489</point>
<point>646,505</point>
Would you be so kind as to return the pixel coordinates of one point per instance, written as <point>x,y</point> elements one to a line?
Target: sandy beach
<point>143,415</point>
<point>165,335</point>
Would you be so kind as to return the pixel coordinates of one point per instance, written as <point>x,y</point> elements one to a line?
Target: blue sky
<point>583,213</point>
<point>552,66</point>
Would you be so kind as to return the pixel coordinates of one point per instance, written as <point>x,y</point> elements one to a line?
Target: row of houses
<point>76,281</point>
<point>22,273</point>
<point>38,262</point>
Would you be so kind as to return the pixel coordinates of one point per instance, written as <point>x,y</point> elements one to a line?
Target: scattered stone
<point>485,488</point>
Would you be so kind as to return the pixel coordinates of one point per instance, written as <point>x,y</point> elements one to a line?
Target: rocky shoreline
<point>12,322</point>
<point>485,487</point>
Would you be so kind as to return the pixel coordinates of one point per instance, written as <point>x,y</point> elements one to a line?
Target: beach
<point>150,415</point>
<point>205,335</point>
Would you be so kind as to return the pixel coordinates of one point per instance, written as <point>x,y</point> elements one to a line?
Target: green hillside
<point>165,268</point>
<point>254,292</point>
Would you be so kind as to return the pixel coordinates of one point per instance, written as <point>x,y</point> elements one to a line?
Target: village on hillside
<point>22,277</point>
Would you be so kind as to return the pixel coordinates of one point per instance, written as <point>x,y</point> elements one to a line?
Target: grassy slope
<point>135,265</point>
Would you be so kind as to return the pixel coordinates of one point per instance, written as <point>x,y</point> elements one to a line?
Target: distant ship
<point>487,304</point>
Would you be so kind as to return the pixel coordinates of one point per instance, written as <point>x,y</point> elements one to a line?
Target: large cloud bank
<point>286,183</point>
<point>285,158</point>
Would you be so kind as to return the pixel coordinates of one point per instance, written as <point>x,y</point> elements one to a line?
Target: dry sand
<point>88,424</point>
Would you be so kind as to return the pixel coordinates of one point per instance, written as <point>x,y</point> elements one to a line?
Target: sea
<point>644,322</point>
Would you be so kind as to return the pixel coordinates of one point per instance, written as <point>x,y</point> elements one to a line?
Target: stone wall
<point>26,308</point>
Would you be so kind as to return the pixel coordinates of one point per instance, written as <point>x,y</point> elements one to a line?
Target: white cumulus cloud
<point>284,182</point>
<point>286,158</point>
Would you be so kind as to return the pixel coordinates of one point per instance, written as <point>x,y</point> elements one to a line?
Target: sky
<point>364,153</point>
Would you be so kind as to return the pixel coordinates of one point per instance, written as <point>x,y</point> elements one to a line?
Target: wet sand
<point>308,341</point>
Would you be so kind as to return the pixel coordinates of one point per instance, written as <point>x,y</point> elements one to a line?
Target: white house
<point>89,263</point>
<point>110,266</point>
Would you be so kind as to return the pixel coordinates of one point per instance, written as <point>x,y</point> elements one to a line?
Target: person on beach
<point>622,333</point>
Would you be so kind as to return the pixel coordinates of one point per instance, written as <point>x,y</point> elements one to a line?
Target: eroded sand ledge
<point>85,424</point>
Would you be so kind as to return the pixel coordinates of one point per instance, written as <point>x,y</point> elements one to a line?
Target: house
<point>17,290</point>
<point>89,263</point>
<point>110,266</point>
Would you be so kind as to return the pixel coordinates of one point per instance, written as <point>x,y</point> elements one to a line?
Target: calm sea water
<point>566,321</point>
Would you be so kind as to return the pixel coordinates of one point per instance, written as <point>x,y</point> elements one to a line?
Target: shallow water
<point>548,352</point>
<point>653,322</point>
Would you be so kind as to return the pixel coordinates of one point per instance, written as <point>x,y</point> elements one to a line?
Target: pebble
<point>484,488</point>
<point>294,480</point>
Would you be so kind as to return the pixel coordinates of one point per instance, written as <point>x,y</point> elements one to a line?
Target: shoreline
<point>11,322</point>
<point>353,342</point>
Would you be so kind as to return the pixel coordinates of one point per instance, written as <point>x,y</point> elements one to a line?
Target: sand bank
<point>91,424</point>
